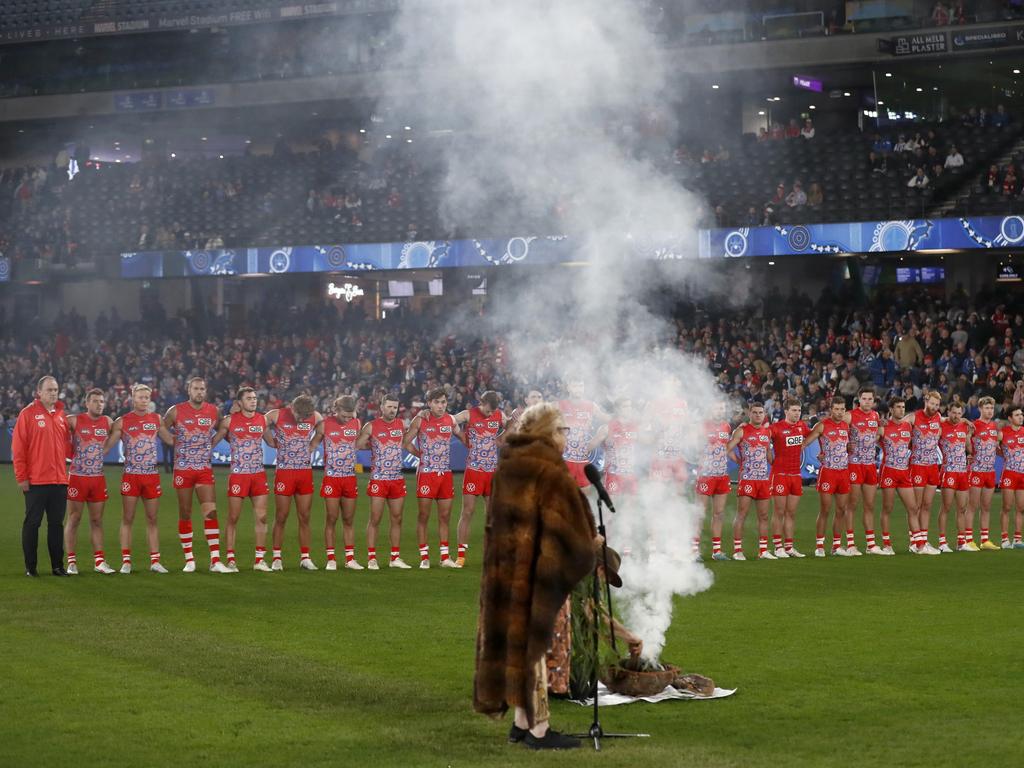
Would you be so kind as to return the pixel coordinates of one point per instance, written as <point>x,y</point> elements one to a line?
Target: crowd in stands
<point>902,344</point>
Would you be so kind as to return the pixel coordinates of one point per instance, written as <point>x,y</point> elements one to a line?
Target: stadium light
<point>204,138</point>
<point>408,127</point>
<point>888,74</point>
<point>847,93</point>
<point>760,112</point>
<point>408,141</point>
<point>1016,71</point>
<point>173,155</point>
<point>387,136</point>
<point>812,107</point>
<point>919,89</point>
<point>714,87</point>
<point>362,130</point>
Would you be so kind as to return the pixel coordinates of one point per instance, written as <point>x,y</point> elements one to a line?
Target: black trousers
<point>51,500</point>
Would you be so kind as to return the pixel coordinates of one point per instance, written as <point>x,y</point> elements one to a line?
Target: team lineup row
<point>920,452</point>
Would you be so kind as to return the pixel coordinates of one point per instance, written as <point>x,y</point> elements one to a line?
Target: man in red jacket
<point>40,448</point>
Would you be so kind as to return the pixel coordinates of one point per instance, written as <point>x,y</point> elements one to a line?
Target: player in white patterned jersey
<point>429,438</point>
<point>533,397</point>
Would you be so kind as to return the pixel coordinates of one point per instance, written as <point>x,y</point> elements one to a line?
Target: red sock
<point>126,555</point>
<point>737,545</point>
<point>98,557</point>
<point>424,553</point>
<point>870,538</point>
<point>212,538</point>
<point>371,553</point>
<point>303,553</point>
<point>462,550</point>
<point>984,535</point>
<point>330,555</point>
<point>185,536</point>
<point>716,544</point>
<point>850,543</point>
<point>968,536</point>
<point>776,541</point>
<point>762,545</point>
<point>835,541</point>
<point>154,558</point>
<point>942,539</point>
<point>886,541</point>
<point>789,545</point>
<point>72,558</point>
<point>350,554</point>
<point>231,555</point>
<point>394,553</point>
<point>444,551</point>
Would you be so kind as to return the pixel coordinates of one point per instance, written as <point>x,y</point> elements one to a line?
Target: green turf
<point>869,661</point>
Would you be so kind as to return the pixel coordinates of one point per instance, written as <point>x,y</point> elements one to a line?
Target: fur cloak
<point>538,544</point>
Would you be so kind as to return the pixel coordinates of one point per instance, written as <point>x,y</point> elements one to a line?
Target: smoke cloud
<point>562,123</point>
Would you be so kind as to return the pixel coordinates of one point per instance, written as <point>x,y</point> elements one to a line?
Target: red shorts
<point>620,485</point>
<point>84,488</point>
<point>293,482</point>
<point>925,474</point>
<point>895,478</point>
<point>863,474</point>
<point>755,489</point>
<point>435,485</point>
<point>576,470</point>
<point>832,481</point>
<point>714,485</point>
<point>339,487</point>
<point>669,471</point>
<point>386,489</point>
<point>957,481</point>
<point>245,486</point>
<point>476,482</point>
<point>983,479</point>
<point>146,486</point>
<point>190,478</point>
<point>1012,481</point>
<point>787,485</point>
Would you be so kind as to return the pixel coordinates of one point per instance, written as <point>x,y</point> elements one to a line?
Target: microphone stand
<point>596,732</point>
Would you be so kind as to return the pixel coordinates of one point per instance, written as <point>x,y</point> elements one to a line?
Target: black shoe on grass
<point>516,734</point>
<point>551,740</point>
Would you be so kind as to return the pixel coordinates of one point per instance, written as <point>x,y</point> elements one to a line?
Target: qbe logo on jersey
<point>792,441</point>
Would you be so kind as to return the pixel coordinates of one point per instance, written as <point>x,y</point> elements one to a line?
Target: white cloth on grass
<point>608,699</point>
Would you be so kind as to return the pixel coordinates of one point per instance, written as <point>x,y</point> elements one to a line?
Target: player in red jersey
<point>924,466</point>
<point>955,444</point>
<point>298,430</point>
<point>667,422</point>
<point>384,436</point>
<point>246,432</point>
<point>619,438</point>
<point>533,397</point>
<point>787,478</point>
<point>833,436</point>
<point>754,443</point>
<point>864,432</point>
<point>429,438</point>
<point>339,488</point>
<point>194,424</point>
<point>985,444</point>
<point>86,484</point>
<point>138,432</point>
<point>713,475</point>
<point>482,428</point>
<point>583,417</point>
<point>895,476</point>
<point>1011,483</point>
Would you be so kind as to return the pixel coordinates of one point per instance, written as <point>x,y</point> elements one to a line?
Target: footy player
<point>533,397</point>
<point>895,477</point>
<point>864,432</point>
<point>955,444</point>
<point>985,444</point>
<point>667,422</point>
<point>246,432</point>
<point>138,432</point>
<point>384,436</point>
<point>86,483</point>
<point>482,427</point>
<point>833,436</point>
<point>339,489</point>
<point>926,426</point>
<point>298,430</point>
<point>754,442</point>
<point>713,475</point>
<point>193,424</point>
<point>429,438</point>
<point>619,438</point>
<point>583,417</point>
<point>1012,481</point>
<point>786,479</point>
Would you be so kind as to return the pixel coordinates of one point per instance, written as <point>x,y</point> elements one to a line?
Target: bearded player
<point>985,445</point>
<point>298,430</point>
<point>138,432</point>
<point>786,478</point>
<point>864,430</point>
<point>482,427</point>
<point>1011,483</point>
<point>925,465</point>
<point>753,441</point>
<point>833,436</point>
<point>86,483</point>
<point>194,424</point>
<point>895,476</point>
<point>339,489</point>
<point>246,431</point>
<point>713,475</point>
<point>955,444</point>
<point>429,438</point>
<point>384,436</point>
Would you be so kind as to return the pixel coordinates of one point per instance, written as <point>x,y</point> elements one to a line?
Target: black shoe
<point>517,734</point>
<point>551,740</point>
<point>59,571</point>
<point>31,572</point>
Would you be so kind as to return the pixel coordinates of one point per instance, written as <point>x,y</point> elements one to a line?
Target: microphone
<point>595,480</point>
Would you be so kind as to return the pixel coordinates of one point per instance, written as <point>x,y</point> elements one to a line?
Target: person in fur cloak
<point>539,542</point>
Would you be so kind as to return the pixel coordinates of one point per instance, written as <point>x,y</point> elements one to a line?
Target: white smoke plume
<point>562,119</point>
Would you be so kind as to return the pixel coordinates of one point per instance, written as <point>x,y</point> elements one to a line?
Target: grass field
<point>861,661</point>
